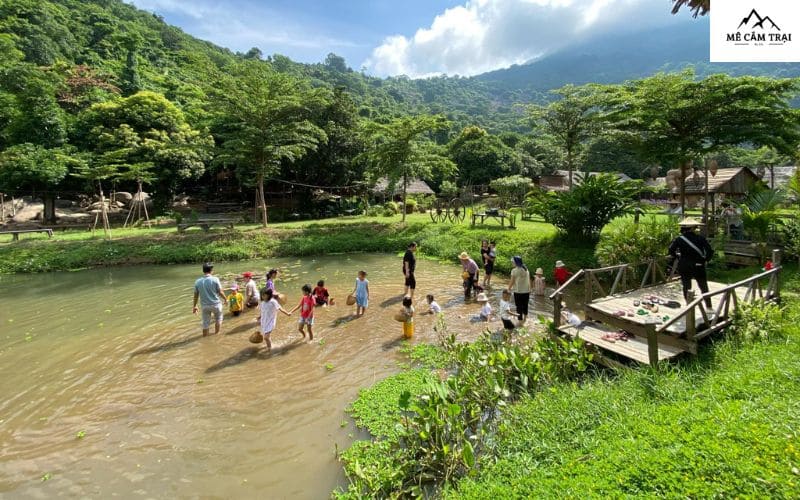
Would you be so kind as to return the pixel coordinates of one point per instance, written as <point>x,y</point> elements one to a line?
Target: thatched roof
<point>736,181</point>
<point>415,186</point>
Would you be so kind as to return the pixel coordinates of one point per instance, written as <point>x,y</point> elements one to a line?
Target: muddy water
<point>108,389</point>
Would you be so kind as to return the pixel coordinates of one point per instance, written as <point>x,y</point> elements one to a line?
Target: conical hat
<point>689,221</point>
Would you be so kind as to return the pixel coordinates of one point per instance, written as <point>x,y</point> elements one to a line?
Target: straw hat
<point>482,297</point>
<point>539,271</point>
<point>464,256</point>
<point>559,263</point>
<point>690,222</point>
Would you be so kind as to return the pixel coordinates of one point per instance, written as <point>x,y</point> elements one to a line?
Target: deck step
<point>634,348</point>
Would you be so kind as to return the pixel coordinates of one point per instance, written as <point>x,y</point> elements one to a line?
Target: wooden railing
<point>721,316</point>
<point>623,277</point>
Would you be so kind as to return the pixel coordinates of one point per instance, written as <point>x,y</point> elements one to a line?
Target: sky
<point>417,38</point>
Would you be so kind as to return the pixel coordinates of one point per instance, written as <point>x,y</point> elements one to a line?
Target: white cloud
<point>483,35</point>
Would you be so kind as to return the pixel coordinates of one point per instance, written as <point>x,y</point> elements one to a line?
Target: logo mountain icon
<point>761,20</point>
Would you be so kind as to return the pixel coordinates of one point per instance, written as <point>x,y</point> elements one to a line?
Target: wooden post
<point>2,208</point>
<point>557,310</point>
<point>691,325</point>
<point>652,345</point>
<point>776,261</point>
<point>13,207</point>
<point>588,287</point>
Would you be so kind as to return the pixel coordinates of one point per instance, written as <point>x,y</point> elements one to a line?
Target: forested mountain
<point>97,91</point>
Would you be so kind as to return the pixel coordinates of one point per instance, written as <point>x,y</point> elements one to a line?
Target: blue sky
<point>413,37</point>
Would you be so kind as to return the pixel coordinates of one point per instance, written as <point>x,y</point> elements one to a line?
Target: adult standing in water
<point>693,252</point>
<point>409,265</point>
<point>520,286</point>
<point>470,273</point>
<point>209,291</point>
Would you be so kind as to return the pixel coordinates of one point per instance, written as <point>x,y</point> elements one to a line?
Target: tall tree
<point>31,167</point>
<point>152,130</point>
<point>482,157</point>
<point>265,120</point>
<point>401,151</point>
<point>701,7</point>
<point>674,119</point>
<point>569,121</point>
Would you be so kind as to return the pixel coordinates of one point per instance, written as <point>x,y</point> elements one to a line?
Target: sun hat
<point>539,270</point>
<point>559,263</point>
<point>234,287</point>
<point>690,222</point>
<point>247,274</point>
<point>464,256</point>
<point>482,297</point>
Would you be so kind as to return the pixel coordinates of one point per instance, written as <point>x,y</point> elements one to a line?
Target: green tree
<point>512,189</point>
<point>569,121</point>
<point>400,151</point>
<point>32,167</point>
<point>150,129</point>
<point>481,157</point>
<point>265,120</point>
<point>583,211</point>
<point>672,119</point>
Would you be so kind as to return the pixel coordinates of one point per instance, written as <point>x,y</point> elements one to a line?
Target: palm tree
<point>701,7</point>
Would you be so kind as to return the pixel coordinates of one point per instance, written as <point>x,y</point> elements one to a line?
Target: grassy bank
<point>724,423</point>
<point>72,250</point>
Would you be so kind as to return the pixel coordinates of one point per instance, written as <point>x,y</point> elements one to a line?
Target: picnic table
<point>16,232</point>
<point>498,216</point>
<point>205,223</point>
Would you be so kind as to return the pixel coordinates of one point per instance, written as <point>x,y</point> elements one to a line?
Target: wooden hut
<point>730,183</point>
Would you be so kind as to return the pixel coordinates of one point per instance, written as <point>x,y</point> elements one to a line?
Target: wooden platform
<point>605,315</point>
<point>633,348</point>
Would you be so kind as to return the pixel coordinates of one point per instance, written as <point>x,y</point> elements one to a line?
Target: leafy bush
<point>582,212</point>
<point>760,212</point>
<point>448,189</point>
<point>391,205</point>
<point>512,189</point>
<point>411,205</point>
<point>449,421</point>
<point>625,242</point>
<point>791,235</point>
<point>374,211</point>
<point>757,322</point>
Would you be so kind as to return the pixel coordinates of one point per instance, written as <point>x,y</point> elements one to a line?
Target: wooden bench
<point>500,216</point>
<point>16,232</point>
<point>207,222</point>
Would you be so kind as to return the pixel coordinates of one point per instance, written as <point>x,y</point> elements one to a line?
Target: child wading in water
<point>408,311</point>
<point>505,312</point>
<point>321,295</point>
<point>272,275</point>
<point>538,282</point>
<point>306,307</point>
<point>361,292</point>
<point>433,306</point>
<point>269,315</point>
<point>235,300</point>
<point>486,309</point>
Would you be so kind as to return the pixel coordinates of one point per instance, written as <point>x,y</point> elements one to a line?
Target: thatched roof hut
<point>415,186</point>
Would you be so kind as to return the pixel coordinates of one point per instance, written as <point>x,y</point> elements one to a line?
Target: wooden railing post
<point>588,288</point>
<point>691,324</point>
<point>776,261</point>
<point>652,345</point>
<point>557,310</point>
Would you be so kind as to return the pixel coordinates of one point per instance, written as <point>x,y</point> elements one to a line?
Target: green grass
<point>70,250</point>
<point>723,424</point>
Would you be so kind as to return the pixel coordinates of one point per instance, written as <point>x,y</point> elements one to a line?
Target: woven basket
<point>351,300</point>
<point>400,316</point>
<point>256,337</point>
<point>281,298</point>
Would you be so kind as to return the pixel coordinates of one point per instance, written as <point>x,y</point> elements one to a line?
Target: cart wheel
<point>457,211</point>
<point>438,212</point>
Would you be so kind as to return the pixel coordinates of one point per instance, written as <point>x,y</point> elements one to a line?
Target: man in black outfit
<point>693,252</point>
<point>409,264</point>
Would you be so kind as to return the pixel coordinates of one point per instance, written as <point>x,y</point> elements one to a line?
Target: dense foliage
<point>583,211</point>
<point>627,242</point>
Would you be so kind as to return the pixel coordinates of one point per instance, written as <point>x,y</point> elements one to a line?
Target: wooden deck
<point>668,332</point>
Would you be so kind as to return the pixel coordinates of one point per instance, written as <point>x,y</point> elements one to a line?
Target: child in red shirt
<point>321,295</point>
<point>561,274</point>
<point>306,307</point>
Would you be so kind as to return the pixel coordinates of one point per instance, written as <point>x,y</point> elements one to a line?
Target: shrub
<point>391,205</point>
<point>626,242</point>
<point>411,205</point>
<point>448,189</point>
<point>757,322</point>
<point>582,212</point>
<point>374,211</point>
<point>791,233</point>
<point>512,189</point>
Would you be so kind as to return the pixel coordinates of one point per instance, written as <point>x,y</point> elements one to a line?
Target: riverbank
<point>73,250</point>
<point>721,423</point>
